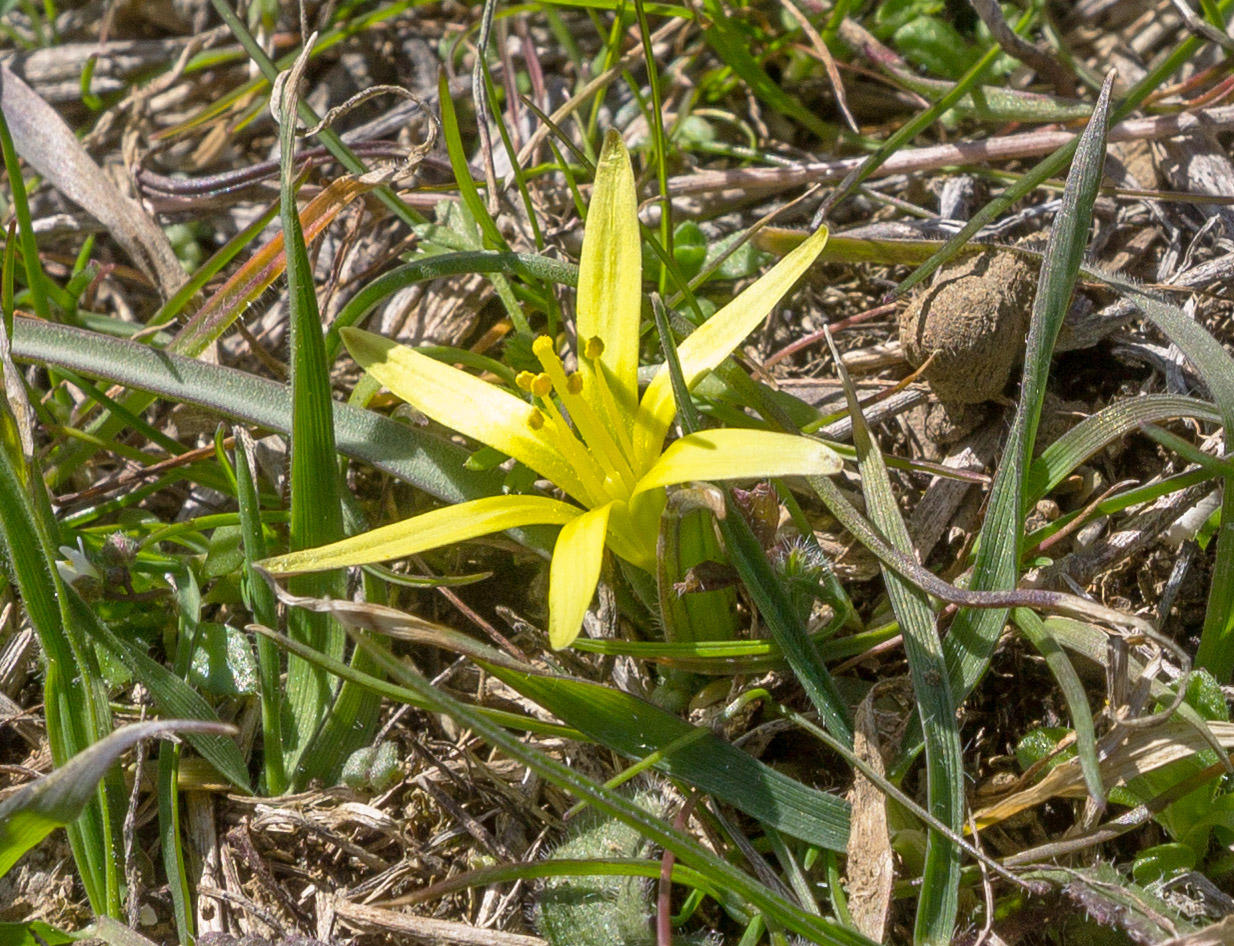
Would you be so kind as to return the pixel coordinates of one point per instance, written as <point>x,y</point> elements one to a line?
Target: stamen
<point>542,385</point>
<point>593,348</point>
<point>535,420</point>
<point>600,379</point>
<point>594,432</point>
<point>586,466</point>
<point>574,383</point>
<point>524,378</point>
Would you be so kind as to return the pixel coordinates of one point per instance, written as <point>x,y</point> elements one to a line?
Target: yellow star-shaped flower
<point>587,431</point>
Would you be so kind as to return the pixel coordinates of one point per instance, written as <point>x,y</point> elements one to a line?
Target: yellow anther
<point>574,383</point>
<point>535,420</point>
<point>543,348</point>
<point>593,348</point>
<point>524,379</point>
<point>542,385</point>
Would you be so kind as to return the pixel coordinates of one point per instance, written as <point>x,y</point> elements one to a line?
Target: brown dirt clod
<point>973,321</point>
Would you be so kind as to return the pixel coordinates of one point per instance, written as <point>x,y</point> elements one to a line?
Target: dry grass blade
<point>424,928</point>
<point>1144,751</point>
<point>1220,933</point>
<point>871,860</point>
<point>774,180</point>
<point>50,146</point>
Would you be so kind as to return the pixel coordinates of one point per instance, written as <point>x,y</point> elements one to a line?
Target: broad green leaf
<point>35,933</point>
<point>636,728</point>
<point>223,662</point>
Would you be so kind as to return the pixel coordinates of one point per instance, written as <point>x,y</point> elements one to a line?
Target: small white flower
<point>77,566</point>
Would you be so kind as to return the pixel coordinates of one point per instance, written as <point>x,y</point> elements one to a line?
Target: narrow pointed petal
<point>715,339</point>
<point>736,454</point>
<point>574,573</point>
<point>464,403</point>
<point>431,530</point>
<point>610,276</point>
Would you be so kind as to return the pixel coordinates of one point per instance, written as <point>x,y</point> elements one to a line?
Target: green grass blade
<point>1057,461</point>
<point>655,118</point>
<point>264,609</point>
<point>761,581</point>
<point>462,169</point>
<point>35,277</point>
<point>516,169</point>
<point>211,267</point>
<point>918,124</point>
<point>316,511</point>
<point>526,265</point>
<point>425,461</point>
<point>171,843</point>
<point>1189,451</point>
<point>563,867</point>
<point>170,836</point>
<point>975,632</point>
<point>475,204</point>
<point>936,707</point>
<point>74,694</point>
<point>1216,651</point>
<point>1038,634</point>
<point>733,48</point>
<point>1055,163</point>
<point>398,694</point>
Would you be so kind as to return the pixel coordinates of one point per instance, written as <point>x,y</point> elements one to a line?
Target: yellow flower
<point>587,431</point>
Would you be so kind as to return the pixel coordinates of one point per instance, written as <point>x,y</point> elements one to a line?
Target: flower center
<point>597,457</point>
